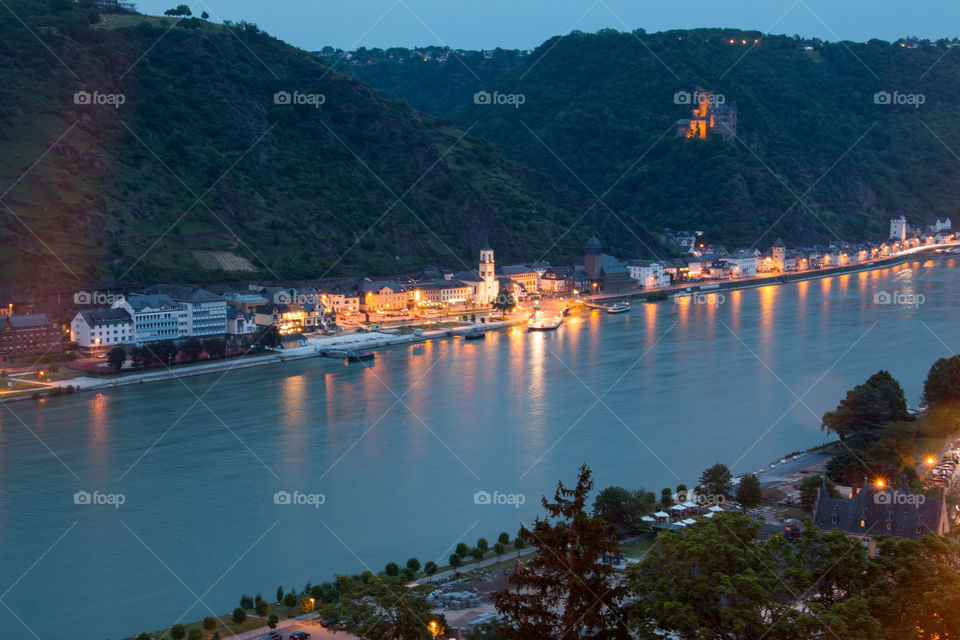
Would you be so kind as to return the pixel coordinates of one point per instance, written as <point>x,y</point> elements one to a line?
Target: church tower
<point>779,254</point>
<point>489,287</point>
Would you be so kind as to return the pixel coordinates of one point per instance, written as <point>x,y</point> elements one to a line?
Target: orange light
<point>930,460</point>
<point>880,484</point>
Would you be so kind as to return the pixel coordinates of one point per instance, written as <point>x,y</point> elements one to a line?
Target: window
<point>889,526</point>
<point>863,523</point>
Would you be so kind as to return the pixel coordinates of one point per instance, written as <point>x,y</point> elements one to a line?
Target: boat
<point>349,355</point>
<point>475,334</point>
<point>545,326</point>
<point>620,307</point>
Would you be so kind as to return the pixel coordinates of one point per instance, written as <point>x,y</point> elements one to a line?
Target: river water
<point>398,450</point>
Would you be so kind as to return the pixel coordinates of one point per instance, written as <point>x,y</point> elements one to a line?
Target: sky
<point>524,24</point>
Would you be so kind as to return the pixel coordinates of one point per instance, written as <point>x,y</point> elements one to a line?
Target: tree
<point>205,15</point>
<point>164,352</point>
<point>116,357</point>
<point>562,591</point>
<point>280,594</point>
<point>682,493</point>
<point>177,632</point>
<point>484,631</point>
<point>392,569</point>
<point>498,549</point>
<point>430,568</point>
<point>505,302</point>
<point>408,574</point>
<point>179,10</point>
<point>503,538</point>
<point>192,348</point>
<point>477,554</point>
<point>749,493</point>
<point>666,497</point>
<point>215,347</point>
<point>290,600</point>
<point>866,409</point>
<point>381,606</point>
<point>195,634</point>
<point>943,381</point>
<point>716,481</point>
<point>809,488</point>
<point>413,564</point>
<point>262,608</point>
<point>265,338</point>
<point>209,623</point>
<point>483,545</point>
<point>518,544</point>
<point>716,580</point>
<point>462,549</point>
<point>272,621</point>
<point>455,560</point>
<point>613,504</point>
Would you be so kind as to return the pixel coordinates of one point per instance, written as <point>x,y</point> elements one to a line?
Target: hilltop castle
<point>711,115</point>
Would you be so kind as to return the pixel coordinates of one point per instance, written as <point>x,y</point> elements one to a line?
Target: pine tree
<point>564,592</point>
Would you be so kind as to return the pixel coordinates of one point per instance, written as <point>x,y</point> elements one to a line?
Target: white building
<point>898,228</point>
<point>743,264</point>
<point>649,274</point>
<point>206,312</point>
<point>155,317</point>
<point>240,322</point>
<point>943,225</point>
<point>483,282</point>
<point>99,330</point>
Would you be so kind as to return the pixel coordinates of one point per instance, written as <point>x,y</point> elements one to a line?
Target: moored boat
<point>620,307</point>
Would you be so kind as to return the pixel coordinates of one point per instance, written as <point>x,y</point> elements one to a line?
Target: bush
<point>195,634</point>
<point>290,600</point>
<point>262,608</point>
<point>392,569</point>
<point>177,632</point>
<point>239,615</point>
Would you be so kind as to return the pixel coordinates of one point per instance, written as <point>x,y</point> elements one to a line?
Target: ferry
<point>538,323</point>
<point>475,334</point>
<point>620,307</point>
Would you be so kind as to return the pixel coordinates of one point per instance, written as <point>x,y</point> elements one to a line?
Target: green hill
<point>200,170</point>
<point>599,111</point>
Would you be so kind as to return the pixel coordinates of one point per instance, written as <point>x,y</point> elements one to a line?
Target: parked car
<point>300,635</point>
<point>328,622</point>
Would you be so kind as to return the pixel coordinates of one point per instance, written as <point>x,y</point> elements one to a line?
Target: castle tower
<point>489,287</point>
<point>591,258</point>
<point>898,228</point>
<point>779,254</point>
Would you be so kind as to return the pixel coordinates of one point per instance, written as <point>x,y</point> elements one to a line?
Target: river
<point>398,450</point>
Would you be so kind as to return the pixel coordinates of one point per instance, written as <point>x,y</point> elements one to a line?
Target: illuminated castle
<point>711,116</point>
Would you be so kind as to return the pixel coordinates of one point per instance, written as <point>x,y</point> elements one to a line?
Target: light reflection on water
<point>399,447</point>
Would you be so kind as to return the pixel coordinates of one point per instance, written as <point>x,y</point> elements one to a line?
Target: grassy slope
<point>299,191</point>
<point>601,102</point>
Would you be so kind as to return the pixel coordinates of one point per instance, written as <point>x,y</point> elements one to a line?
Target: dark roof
<point>876,508</point>
<point>468,276</point>
<point>32,321</point>
<point>593,243</point>
<point>515,269</point>
<point>105,316</point>
<point>610,265</point>
<point>155,301</point>
<point>185,294</point>
<point>778,243</point>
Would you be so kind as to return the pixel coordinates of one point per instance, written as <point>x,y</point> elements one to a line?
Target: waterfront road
<point>778,472</point>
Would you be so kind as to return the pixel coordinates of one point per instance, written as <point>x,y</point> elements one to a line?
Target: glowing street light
<point>930,460</point>
<point>880,483</point>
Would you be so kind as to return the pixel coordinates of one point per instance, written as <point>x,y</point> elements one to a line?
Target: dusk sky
<point>524,24</point>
